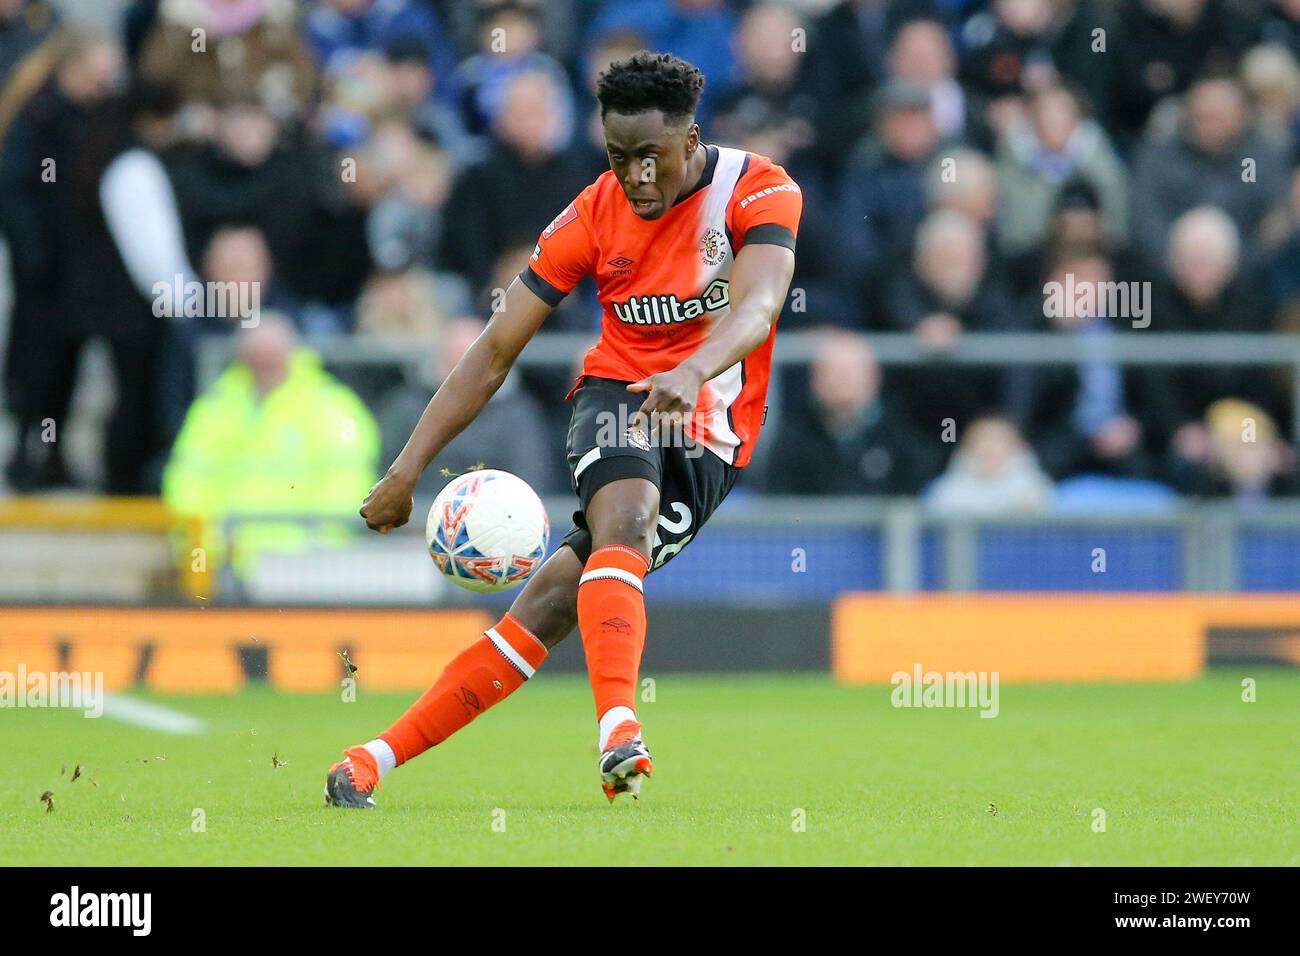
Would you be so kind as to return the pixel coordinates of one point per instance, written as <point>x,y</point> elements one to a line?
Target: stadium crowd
<point>380,168</point>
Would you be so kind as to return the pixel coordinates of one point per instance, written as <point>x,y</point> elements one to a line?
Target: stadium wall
<point>861,639</point>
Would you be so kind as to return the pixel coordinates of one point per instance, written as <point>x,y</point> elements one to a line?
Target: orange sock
<point>611,617</point>
<point>484,673</point>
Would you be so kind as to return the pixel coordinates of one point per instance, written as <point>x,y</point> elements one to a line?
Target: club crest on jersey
<point>670,310</point>
<point>713,249</point>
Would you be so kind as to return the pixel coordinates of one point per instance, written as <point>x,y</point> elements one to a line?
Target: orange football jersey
<point>663,283</point>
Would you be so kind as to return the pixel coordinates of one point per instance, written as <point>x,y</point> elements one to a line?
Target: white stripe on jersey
<point>714,213</point>
<point>712,429</point>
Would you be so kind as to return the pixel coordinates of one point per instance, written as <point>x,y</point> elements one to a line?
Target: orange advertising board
<point>216,650</point>
<point>1051,637</point>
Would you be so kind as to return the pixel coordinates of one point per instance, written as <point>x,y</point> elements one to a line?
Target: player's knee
<point>631,525</point>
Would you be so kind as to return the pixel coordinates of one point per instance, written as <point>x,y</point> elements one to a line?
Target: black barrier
<point>718,638</point>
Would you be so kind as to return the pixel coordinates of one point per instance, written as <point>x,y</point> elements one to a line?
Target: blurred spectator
<point>357,98</point>
<point>768,114</point>
<point>248,174</point>
<point>952,285</point>
<point>851,40</point>
<point>1284,265</point>
<point>965,181</point>
<point>992,472</point>
<point>1244,458</point>
<point>405,226</point>
<point>1083,419</point>
<point>617,45</point>
<point>239,255</point>
<point>1209,287</point>
<point>1162,46</point>
<point>922,54</point>
<point>255,174</point>
<point>508,199</point>
<point>698,31</point>
<point>1271,79</point>
<point>274,436</point>
<point>42,120</point>
<point>556,20</point>
<point>510,433</point>
<point>246,48</point>
<point>128,245</point>
<point>24,25</point>
<point>1216,158</point>
<point>1076,223</point>
<point>1282,25</point>
<point>509,37</point>
<point>1207,291</point>
<point>402,306</point>
<point>411,88</point>
<point>883,197</point>
<point>237,258</point>
<point>1035,160</point>
<point>1021,47</point>
<point>767,109</point>
<point>341,30</point>
<point>848,438</point>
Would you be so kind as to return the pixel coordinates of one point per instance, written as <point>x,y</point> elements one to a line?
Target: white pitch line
<point>152,716</point>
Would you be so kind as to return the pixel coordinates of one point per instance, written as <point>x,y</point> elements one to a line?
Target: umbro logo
<point>622,262</point>
<point>615,625</point>
<point>469,700</point>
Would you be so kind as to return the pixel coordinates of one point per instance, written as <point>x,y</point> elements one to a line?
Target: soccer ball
<point>487,531</point>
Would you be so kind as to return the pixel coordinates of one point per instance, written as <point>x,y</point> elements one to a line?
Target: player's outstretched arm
<point>760,279</point>
<point>473,381</point>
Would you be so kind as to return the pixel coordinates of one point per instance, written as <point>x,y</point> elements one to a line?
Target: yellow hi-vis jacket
<point>307,449</point>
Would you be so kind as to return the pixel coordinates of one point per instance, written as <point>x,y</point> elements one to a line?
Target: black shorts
<point>692,481</point>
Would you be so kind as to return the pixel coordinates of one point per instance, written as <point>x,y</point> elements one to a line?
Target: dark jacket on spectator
<point>936,390</point>
<point>1173,176</point>
<point>882,202</point>
<point>1180,394</point>
<point>36,217</point>
<point>505,202</point>
<point>316,239</point>
<point>1152,58</point>
<point>1042,401</point>
<point>851,40</point>
<point>878,454</point>
<point>22,33</point>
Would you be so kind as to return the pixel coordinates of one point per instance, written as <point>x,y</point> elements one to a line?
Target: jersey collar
<point>706,177</point>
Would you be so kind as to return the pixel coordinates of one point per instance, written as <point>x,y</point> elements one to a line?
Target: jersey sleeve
<point>766,207</point>
<point>563,254</point>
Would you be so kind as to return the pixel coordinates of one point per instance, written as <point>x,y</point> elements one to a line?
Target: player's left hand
<point>671,396</point>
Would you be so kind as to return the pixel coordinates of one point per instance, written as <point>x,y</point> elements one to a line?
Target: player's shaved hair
<point>650,81</point>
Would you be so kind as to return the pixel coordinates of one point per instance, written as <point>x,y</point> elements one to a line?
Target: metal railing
<point>1208,533</point>
<point>743,556</point>
<point>1199,544</point>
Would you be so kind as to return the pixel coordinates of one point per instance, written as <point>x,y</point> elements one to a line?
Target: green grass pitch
<point>1185,773</point>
